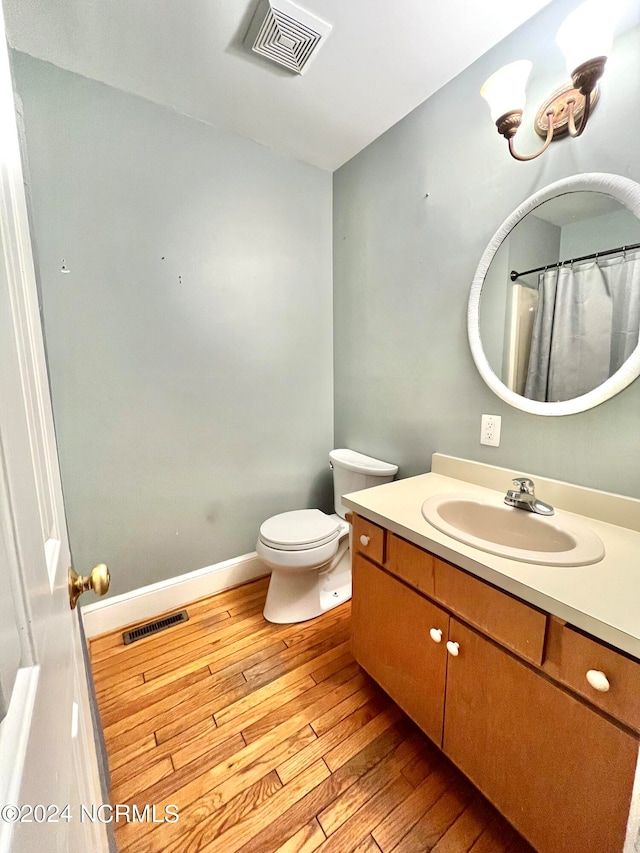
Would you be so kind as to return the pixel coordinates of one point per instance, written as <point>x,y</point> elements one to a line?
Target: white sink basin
<point>490,525</point>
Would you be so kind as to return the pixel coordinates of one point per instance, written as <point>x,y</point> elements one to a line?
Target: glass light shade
<point>588,31</point>
<point>504,91</point>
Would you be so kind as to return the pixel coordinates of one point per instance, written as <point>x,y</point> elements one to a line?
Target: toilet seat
<point>299,530</point>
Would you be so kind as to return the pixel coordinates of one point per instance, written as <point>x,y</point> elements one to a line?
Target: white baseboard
<point>150,601</point>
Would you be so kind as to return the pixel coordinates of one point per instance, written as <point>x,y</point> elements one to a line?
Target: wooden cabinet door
<point>391,641</point>
<point>559,772</point>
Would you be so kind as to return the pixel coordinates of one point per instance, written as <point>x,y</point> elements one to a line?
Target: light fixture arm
<point>572,130</point>
<point>508,125</point>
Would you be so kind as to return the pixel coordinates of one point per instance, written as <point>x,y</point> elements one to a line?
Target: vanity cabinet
<point>556,769</point>
<point>389,621</point>
<point>499,686</point>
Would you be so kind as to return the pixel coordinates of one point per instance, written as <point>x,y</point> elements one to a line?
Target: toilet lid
<point>299,529</point>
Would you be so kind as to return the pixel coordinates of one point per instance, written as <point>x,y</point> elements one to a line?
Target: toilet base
<point>302,596</point>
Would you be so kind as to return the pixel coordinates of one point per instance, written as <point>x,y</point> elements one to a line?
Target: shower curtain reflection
<point>586,326</point>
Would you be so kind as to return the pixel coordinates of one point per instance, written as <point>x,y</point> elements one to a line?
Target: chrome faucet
<point>525,498</point>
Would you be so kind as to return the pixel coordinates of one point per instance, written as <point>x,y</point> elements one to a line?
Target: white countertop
<point>602,599</point>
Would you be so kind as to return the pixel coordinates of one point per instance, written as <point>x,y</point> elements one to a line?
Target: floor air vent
<point>153,627</point>
<point>286,34</point>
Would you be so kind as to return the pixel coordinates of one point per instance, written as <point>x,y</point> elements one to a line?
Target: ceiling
<point>381,59</point>
<point>572,207</point>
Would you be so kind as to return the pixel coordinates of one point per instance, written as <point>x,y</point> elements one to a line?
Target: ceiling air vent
<point>286,34</point>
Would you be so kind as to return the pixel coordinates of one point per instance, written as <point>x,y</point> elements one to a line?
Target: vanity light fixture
<point>585,38</point>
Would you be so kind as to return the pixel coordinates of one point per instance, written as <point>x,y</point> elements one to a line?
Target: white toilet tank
<point>354,471</point>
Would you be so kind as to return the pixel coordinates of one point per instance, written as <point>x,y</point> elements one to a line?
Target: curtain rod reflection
<point>514,275</point>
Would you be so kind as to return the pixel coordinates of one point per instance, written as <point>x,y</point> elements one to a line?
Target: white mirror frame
<point>624,190</point>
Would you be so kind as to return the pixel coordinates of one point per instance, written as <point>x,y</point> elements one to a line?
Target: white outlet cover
<point>490,430</point>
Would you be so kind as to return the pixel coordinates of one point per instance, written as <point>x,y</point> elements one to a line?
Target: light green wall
<point>620,228</point>
<point>405,382</point>
<point>190,343</point>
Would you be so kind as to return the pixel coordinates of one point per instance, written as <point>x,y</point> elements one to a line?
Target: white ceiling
<point>382,59</point>
<point>569,208</point>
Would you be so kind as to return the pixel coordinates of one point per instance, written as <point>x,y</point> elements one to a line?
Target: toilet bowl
<point>303,549</point>
<point>307,550</point>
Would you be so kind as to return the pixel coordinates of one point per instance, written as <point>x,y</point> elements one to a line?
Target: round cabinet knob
<point>598,680</point>
<point>453,648</point>
<point>436,635</point>
<point>364,540</point>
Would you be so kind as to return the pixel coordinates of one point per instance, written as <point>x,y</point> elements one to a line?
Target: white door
<point>47,752</point>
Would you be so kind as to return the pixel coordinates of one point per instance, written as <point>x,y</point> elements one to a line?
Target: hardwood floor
<point>271,739</point>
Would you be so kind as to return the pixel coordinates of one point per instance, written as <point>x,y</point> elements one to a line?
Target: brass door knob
<point>98,581</point>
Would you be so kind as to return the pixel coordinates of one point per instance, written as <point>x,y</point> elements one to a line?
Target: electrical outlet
<point>490,430</point>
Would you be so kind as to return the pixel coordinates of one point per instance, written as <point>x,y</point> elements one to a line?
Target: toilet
<point>308,550</point>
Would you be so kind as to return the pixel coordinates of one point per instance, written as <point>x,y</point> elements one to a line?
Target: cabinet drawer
<point>369,539</point>
<point>580,655</point>
<point>410,563</point>
<point>507,620</point>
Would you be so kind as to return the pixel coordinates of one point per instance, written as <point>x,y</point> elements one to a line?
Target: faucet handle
<point>525,485</point>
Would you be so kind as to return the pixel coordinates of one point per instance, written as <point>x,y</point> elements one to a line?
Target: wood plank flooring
<point>271,739</point>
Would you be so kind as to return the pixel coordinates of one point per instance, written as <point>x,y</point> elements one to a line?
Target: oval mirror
<point>554,310</point>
